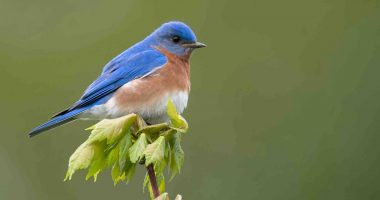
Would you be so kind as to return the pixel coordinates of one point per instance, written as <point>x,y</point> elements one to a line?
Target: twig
<point>153,182</point>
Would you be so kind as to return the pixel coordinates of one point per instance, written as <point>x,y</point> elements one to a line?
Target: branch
<point>153,182</point>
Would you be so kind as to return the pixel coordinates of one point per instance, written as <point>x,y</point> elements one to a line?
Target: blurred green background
<point>284,103</point>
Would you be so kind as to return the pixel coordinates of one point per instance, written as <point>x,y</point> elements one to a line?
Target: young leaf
<point>173,115</point>
<point>129,169</point>
<point>154,129</point>
<point>125,144</point>
<point>140,122</point>
<point>178,122</point>
<point>99,161</point>
<point>159,166</point>
<point>155,152</point>
<point>161,182</point>
<point>112,130</point>
<point>121,143</point>
<point>177,156</point>
<point>80,159</point>
<point>137,149</point>
<point>115,173</point>
<point>112,155</point>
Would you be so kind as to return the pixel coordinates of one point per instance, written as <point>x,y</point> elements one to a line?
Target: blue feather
<point>137,61</point>
<point>128,69</point>
<point>56,121</point>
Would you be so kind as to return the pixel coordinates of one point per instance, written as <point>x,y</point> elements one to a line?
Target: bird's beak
<point>194,45</point>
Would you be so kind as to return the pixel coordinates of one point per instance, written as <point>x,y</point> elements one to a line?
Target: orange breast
<point>174,76</point>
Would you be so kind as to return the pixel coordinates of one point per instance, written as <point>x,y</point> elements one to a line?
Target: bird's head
<point>177,38</point>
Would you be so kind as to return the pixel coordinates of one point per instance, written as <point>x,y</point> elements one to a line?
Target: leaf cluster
<point>122,143</point>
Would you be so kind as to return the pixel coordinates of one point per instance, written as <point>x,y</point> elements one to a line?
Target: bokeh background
<point>285,100</point>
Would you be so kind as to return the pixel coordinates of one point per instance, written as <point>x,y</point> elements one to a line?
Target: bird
<point>140,80</point>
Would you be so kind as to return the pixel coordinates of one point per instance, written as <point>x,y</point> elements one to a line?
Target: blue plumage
<point>131,68</point>
<point>137,61</point>
<point>99,91</point>
<point>57,121</point>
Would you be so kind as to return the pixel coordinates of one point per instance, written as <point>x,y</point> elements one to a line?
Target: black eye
<point>176,39</point>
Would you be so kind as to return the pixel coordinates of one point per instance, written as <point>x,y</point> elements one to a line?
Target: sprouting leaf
<point>112,155</point>
<point>125,144</point>
<point>80,159</point>
<point>98,162</point>
<point>160,182</point>
<point>156,151</point>
<point>177,156</point>
<point>159,166</point>
<point>126,173</point>
<point>140,122</point>
<point>154,129</point>
<point>178,197</point>
<point>121,143</point>
<point>167,152</point>
<point>129,169</point>
<point>112,130</point>
<point>137,149</point>
<point>173,115</point>
<point>178,122</point>
<point>116,174</point>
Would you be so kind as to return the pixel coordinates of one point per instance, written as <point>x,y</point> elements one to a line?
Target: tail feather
<point>57,121</point>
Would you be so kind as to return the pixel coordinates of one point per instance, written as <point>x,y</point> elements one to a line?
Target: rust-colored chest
<point>171,78</point>
<point>176,73</point>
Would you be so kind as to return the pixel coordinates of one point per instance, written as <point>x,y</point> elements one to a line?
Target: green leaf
<point>159,166</point>
<point>121,143</point>
<point>155,152</point>
<point>87,156</point>
<point>160,182</point>
<point>177,121</point>
<point>99,162</point>
<point>177,156</point>
<point>167,152</point>
<point>140,122</point>
<point>113,155</point>
<point>173,115</point>
<point>125,174</point>
<point>154,129</point>
<point>80,159</point>
<point>125,144</point>
<point>112,130</point>
<point>137,149</point>
<point>129,170</point>
<point>115,173</point>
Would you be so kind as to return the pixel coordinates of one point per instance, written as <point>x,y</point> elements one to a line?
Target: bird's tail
<point>57,121</point>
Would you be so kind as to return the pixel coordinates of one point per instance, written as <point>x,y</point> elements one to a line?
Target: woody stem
<point>153,181</point>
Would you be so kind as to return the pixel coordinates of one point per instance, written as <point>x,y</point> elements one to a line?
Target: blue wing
<point>123,71</point>
<point>120,74</point>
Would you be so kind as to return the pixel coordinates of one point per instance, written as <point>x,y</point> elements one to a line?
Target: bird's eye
<point>176,39</point>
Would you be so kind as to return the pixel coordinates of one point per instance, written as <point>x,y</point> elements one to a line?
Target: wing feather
<point>123,72</point>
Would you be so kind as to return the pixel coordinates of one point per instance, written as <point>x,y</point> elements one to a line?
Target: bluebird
<point>140,80</point>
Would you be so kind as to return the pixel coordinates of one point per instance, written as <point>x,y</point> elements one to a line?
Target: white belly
<point>152,112</point>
